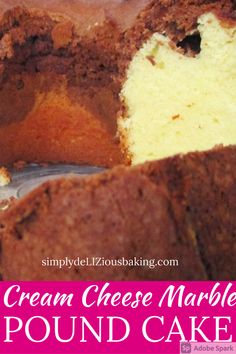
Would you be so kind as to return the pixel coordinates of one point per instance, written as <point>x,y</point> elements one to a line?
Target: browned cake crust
<point>179,208</point>
<point>61,69</point>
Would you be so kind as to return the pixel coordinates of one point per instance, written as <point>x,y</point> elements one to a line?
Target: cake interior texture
<point>179,102</point>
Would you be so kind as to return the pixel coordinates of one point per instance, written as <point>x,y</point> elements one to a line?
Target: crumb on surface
<point>6,203</point>
<point>5,177</point>
<point>151,58</point>
<point>177,116</point>
<point>19,165</point>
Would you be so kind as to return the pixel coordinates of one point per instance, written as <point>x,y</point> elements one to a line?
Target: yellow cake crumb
<point>5,177</point>
<point>178,103</point>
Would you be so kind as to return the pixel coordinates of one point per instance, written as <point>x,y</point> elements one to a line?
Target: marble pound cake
<point>110,82</point>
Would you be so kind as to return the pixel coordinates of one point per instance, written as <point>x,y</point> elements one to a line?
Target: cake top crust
<point>123,13</point>
<point>85,13</point>
<point>182,205</point>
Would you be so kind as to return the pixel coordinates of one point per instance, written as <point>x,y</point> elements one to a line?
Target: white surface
<point>33,175</point>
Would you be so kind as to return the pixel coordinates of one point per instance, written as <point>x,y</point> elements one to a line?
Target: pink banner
<point>114,317</point>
